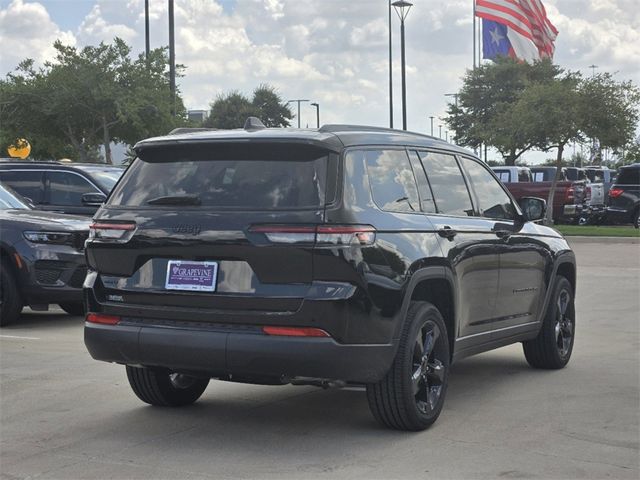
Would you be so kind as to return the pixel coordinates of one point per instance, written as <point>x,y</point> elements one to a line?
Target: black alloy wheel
<point>411,395</point>
<point>10,298</point>
<point>552,348</point>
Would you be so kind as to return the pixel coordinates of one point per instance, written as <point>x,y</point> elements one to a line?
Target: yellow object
<point>21,149</point>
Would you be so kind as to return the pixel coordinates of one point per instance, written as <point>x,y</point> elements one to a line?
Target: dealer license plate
<point>192,276</point>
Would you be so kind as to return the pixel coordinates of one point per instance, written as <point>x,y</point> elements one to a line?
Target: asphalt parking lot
<point>64,415</point>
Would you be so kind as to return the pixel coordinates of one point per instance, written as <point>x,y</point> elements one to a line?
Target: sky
<point>333,52</point>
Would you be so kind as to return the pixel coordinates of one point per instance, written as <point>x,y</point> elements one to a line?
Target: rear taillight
<point>570,193</point>
<point>103,319</point>
<point>111,232</point>
<point>321,235</point>
<point>295,332</point>
<point>615,192</point>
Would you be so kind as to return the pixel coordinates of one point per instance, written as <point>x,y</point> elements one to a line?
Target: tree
<point>231,110</point>
<point>89,97</point>
<point>482,113</point>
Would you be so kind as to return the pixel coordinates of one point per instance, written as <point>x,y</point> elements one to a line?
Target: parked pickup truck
<point>568,200</point>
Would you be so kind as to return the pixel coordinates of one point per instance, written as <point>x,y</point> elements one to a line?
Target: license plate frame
<point>191,276</point>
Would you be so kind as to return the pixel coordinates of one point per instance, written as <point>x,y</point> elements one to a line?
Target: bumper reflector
<point>295,331</point>
<point>104,319</point>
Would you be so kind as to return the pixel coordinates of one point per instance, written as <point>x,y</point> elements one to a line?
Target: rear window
<point>240,176</point>
<point>629,176</point>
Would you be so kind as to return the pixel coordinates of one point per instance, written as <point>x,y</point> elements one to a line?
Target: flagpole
<point>474,34</point>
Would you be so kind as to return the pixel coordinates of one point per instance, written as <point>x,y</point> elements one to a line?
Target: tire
<point>10,298</point>
<point>636,220</point>
<point>552,348</point>
<point>161,387</point>
<point>75,309</point>
<point>411,395</point>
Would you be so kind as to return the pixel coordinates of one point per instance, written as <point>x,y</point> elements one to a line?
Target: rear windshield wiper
<point>175,200</point>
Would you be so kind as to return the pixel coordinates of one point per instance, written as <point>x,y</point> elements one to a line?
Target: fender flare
<point>435,272</point>
<point>565,257</point>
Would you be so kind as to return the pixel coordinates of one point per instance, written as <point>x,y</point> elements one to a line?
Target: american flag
<point>528,18</point>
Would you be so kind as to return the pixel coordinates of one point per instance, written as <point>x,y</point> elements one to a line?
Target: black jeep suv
<point>343,255</point>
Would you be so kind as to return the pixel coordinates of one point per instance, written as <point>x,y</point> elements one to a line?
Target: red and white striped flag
<point>529,30</point>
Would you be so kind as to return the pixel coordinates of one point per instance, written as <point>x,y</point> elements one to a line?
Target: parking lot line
<point>22,338</point>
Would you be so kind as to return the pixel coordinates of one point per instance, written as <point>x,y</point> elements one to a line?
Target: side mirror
<point>93,199</point>
<point>533,208</point>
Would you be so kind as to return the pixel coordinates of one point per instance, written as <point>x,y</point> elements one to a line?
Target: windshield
<point>10,200</point>
<point>270,177</point>
<point>106,178</point>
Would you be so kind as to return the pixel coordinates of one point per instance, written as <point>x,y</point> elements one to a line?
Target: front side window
<point>393,185</point>
<point>447,183</point>
<point>67,188</point>
<point>493,202</point>
<point>26,183</point>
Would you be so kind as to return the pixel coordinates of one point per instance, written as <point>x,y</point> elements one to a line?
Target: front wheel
<point>10,299</point>
<point>411,395</point>
<point>552,348</point>
<point>161,387</point>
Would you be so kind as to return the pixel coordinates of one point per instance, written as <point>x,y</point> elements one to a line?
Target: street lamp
<point>298,101</point>
<point>440,132</point>
<point>317,105</point>
<point>402,8</point>
<point>431,118</point>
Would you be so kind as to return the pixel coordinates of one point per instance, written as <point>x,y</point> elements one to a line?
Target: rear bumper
<point>220,353</point>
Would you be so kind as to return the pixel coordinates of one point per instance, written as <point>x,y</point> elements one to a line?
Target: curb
<point>608,240</point>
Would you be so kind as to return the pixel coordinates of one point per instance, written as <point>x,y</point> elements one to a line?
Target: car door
<point>467,243</point>
<point>64,191</point>
<point>523,258</point>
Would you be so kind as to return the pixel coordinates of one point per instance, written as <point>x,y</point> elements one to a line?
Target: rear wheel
<point>552,348</point>
<point>74,308</point>
<point>10,298</point>
<point>636,221</point>
<point>161,387</point>
<point>411,395</point>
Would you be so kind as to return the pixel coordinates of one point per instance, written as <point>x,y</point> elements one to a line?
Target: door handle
<point>447,232</point>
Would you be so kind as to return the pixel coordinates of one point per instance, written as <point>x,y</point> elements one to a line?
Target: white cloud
<point>328,51</point>
<point>27,31</point>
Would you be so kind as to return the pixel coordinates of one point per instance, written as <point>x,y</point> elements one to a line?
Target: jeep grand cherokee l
<point>343,255</point>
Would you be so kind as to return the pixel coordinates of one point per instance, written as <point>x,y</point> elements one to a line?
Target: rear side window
<point>629,176</point>
<point>392,182</point>
<point>493,200</point>
<point>447,183</point>
<point>503,175</point>
<point>27,183</point>
<point>67,188</point>
<point>236,176</point>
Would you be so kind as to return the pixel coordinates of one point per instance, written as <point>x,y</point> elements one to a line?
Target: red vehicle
<point>569,197</point>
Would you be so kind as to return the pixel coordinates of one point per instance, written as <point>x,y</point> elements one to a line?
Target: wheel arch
<point>435,285</point>
<point>565,265</point>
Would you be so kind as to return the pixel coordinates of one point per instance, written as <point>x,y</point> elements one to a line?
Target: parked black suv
<point>41,258</point>
<point>75,188</point>
<point>623,204</point>
<point>344,255</point>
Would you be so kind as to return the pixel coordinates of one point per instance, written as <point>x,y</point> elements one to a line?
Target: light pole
<point>172,60</point>
<point>431,118</point>
<point>402,9</point>
<point>390,74</point>
<point>440,132</point>
<point>317,105</point>
<point>147,45</point>
<point>298,102</point>
<point>455,97</point>
<point>446,135</point>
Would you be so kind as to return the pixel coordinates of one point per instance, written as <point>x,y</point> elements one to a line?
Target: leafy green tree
<point>232,109</point>
<point>87,98</point>
<point>482,113</point>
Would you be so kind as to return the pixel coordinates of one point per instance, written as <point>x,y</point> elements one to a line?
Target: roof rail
<point>332,128</point>
<point>181,130</point>
<point>254,123</point>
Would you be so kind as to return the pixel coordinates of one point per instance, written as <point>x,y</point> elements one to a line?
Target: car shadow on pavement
<point>55,318</point>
